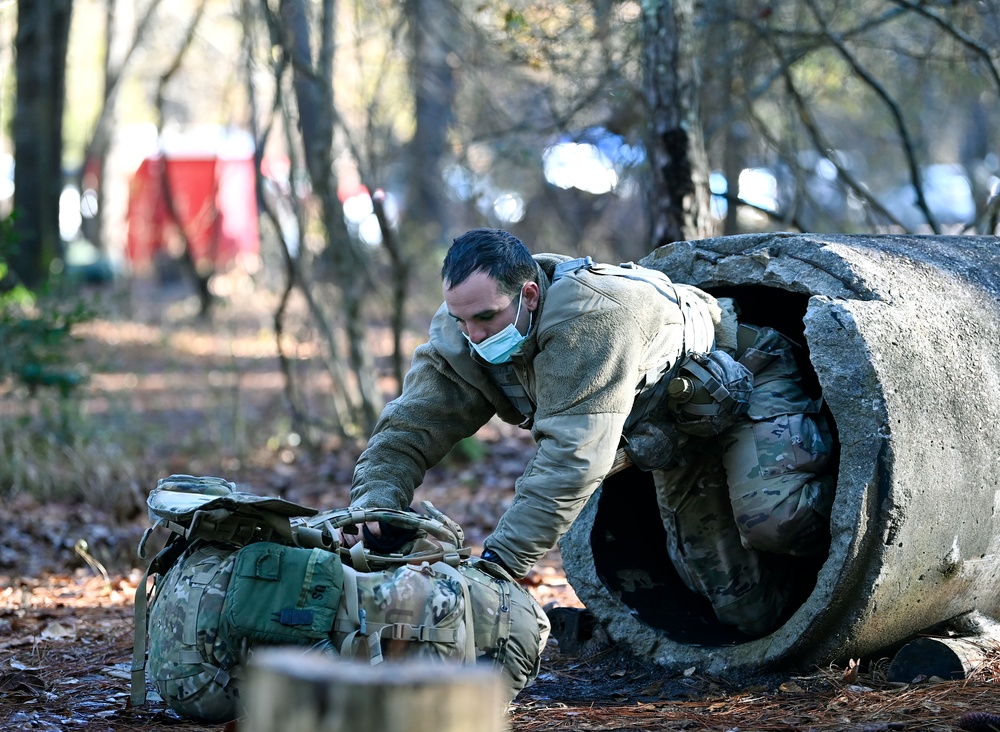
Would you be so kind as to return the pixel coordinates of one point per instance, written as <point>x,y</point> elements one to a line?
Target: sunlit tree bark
<point>679,196</point>
<point>348,263</point>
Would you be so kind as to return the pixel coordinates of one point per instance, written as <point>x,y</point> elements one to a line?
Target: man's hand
<point>491,556</point>
<point>351,539</point>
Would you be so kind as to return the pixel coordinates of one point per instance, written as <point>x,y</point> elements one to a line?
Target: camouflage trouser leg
<point>776,463</point>
<point>705,545</point>
<point>780,498</point>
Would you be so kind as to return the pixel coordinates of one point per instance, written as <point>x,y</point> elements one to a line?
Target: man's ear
<point>532,296</point>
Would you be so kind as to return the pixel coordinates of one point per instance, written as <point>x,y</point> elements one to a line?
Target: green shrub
<point>36,329</point>
<point>48,447</point>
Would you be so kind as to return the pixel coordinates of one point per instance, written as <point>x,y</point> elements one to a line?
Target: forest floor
<point>173,394</point>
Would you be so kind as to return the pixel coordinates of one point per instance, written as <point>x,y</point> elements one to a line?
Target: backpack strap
<point>572,265</point>
<point>698,335</point>
<point>138,690</point>
<point>354,623</point>
<point>504,621</point>
<point>358,559</point>
<point>163,561</point>
<point>470,628</point>
<point>699,331</point>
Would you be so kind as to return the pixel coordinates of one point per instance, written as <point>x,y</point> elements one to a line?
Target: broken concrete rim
<point>901,335</point>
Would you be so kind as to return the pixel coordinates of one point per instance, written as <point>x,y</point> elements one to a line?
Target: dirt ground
<point>184,396</point>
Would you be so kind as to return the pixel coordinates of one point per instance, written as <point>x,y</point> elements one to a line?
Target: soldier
<point>592,357</point>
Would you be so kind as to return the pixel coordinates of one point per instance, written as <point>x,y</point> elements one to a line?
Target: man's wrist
<point>491,556</point>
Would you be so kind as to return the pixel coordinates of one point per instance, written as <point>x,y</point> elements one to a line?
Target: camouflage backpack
<point>240,571</point>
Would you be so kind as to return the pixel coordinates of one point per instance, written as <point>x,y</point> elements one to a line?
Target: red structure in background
<point>215,203</point>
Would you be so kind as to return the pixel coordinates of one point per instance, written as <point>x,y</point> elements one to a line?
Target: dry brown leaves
<point>66,639</point>
<point>65,654</point>
<point>821,701</point>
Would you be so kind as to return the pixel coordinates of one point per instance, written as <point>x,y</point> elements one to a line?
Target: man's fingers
<point>350,540</point>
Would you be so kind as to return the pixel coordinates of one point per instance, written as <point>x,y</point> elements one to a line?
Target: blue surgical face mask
<point>498,347</point>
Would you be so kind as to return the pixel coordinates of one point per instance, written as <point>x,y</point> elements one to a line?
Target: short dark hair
<point>498,253</point>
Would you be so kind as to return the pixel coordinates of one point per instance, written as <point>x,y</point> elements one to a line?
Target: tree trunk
<point>432,28</point>
<point>679,196</point>
<point>200,273</point>
<point>42,41</point>
<point>292,691</point>
<point>349,263</point>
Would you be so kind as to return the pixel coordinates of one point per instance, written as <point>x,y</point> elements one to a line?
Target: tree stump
<point>294,691</point>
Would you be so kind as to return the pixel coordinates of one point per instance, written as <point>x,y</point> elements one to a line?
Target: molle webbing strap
<point>470,627</point>
<point>355,623</point>
<point>504,621</point>
<point>138,689</point>
<point>157,566</point>
<point>356,626</point>
<point>504,376</point>
<point>699,331</point>
<point>719,393</point>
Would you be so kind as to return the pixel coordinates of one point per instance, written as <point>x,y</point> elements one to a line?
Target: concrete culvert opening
<point>628,540</point>
<point>900,337</point>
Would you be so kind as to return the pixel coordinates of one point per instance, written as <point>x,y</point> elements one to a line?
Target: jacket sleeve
<point>436,409</point>
<point>586,373</point>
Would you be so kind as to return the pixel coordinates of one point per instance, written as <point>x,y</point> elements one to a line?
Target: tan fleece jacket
<point>593,341</point>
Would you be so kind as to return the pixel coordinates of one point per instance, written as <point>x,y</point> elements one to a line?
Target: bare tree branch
<point>801,51</point>
<point>901,126</point>
<point>201,281</point>
<point>820,143</point>
<point>964,38</point>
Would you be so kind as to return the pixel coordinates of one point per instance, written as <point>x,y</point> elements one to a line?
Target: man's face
<point>482,310</point>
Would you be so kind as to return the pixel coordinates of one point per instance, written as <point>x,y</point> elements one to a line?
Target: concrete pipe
<point>901,337</point>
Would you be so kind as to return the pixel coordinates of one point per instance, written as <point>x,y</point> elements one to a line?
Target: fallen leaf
<point>851,672</point>
<point>790,687</point>
<point>58,631</point>
<point>15,664</point>
<point>21,681</point>
<point>651,689</point>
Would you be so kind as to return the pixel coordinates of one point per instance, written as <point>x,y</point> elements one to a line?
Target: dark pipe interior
<point>629,542</point>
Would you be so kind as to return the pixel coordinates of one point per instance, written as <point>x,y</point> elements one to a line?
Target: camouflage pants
<point>756,490</point>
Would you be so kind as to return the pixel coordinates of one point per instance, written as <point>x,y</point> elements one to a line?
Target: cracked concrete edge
<point>875,310</point>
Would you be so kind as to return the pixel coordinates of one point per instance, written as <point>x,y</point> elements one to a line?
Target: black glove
<point>491,556</point>
<point>391,537</point>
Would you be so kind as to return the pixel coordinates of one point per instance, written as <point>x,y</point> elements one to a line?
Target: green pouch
<point>283,595</point>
